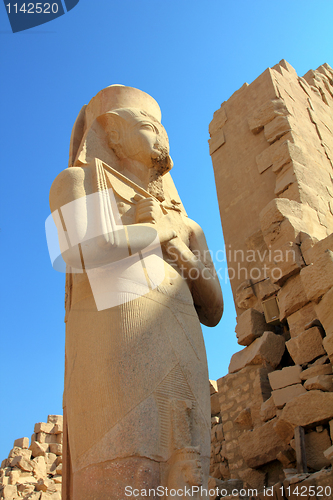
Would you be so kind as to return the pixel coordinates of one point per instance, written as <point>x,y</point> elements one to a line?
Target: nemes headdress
<point>108,99</point>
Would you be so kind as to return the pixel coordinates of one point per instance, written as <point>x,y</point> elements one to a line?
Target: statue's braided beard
<point>161,166</point>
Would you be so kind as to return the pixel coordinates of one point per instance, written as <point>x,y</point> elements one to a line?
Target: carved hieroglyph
<point>139,282</point>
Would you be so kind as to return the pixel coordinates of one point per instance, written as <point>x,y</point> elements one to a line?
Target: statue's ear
<point>112,126</point>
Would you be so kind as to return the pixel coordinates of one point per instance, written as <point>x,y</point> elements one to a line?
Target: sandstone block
<point>328,346</point>
<point>298,320</point>
<point>313,407</point>
<point>266,350</point>
<point>219,119</point>
<point>317,278</point>
<point>56,448</point>
<point>315,446</point>
<point>329,454</point>
<point>39,465</point>
<point>287,458</point>
<point>39,449</point>
<point>253,478</point>
<point>213,387</point>
<point>214,404</point>
<point>268,410</point>
<point>324,312</point>
<point>287,261</point>
<point>9,492</point>
<point>44,484</point>
<point>266,113</point>
<point>315,370</point>
<point>43,427</point>
<point>318,249</point>
<point>291,297</point>
<point>55,419</point>
<point>306,346</point>
<point>43,437</point>
<point>276,128</point>
<point>250,325</point>
<point>320,382</point>
<point>283,396</point>
<point>58,428</point>
<point>22,463</point>
<point>22,443</point>
<point>261,445</point>
<point>285,377</point>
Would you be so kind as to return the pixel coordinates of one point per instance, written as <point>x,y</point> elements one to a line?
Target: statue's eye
<point>147,126</point>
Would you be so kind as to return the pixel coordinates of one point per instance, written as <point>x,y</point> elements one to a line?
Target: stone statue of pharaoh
<point>139,281</point>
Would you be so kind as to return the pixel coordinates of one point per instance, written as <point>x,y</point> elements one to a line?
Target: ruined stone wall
<point>272,151</point>
<point>35,472</point>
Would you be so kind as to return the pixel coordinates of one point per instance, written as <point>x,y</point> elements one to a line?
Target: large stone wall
<point>272,151</point>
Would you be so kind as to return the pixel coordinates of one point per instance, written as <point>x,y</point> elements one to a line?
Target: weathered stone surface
<point>329,454</point>
<point>324,312</point>
<point>22,463</point>
<point>287,261</point>
<point>39,449</point>
<point>251,325</point>
<point>317,278</point>
<point>306,346</point>
<point>16,451</point>
<point>43,427</point>
<point>267,350</point>
<point>328,346</point>
<point>315,445</point>
<point>320,382</point>
<point>215,404</point>
<point>9,492</point>
<point>300,319</point>
<point>261,445</point>
<point>283,396</point>
<point>313,407</point>
<point>317,249</point>
<point>213,387</point>
<point>22,442</point>
<point>276,128</point>
<point>315,370</point>
<point>291,297</point>
<point>268,410</point>
<point>55,419</point>
<point>266,113</point>
<point>287,376</point>
<point>287,457</point>
<point>253,478</point>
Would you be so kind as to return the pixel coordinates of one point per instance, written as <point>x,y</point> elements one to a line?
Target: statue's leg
<point>117,480</point>
<point>67,477</point>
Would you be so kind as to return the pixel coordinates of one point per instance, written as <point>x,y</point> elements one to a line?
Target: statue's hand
<point>148,210</point>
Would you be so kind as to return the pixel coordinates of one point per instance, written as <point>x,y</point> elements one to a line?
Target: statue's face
<point>146,141</point>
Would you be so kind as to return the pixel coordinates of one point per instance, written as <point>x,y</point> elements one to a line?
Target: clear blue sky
<point>190,56</point>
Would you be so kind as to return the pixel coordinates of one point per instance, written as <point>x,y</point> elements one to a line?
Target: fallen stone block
<point>317,278</point>
<point>9,492</point>
<point>306,346</point>
<point>287,261</point>
<point>39,465</point>
<point>313,371</point>
<point>55,419</point>
<point>315,446</point>
<point>261,445</point>
<point>43,437</point>
<point>39,449</point>
<point>313,407</point>
<point>22,443</point>
<point>283,396</point>
<point>320,382</point>
<point>324,311</point>
<point>287,457</point>
<point>43,427</point>
<point>328,346</point>
<point>300,319</point>
<point>291,297</point>
<point>285,377</point>
<point>58,428</point>
<point>22,463</point>
<point>19,452</point>
<point>251,325</point>
<point>253,478</point>
<point>268,410</point>
<point>213,387</point>
<point>266,350</point>
<point>329,454</point>
<point>214,405</point>
<point>317,250</point>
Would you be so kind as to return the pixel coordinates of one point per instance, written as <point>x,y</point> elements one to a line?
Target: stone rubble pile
<point>281,383</point>
<point>35,472</point>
